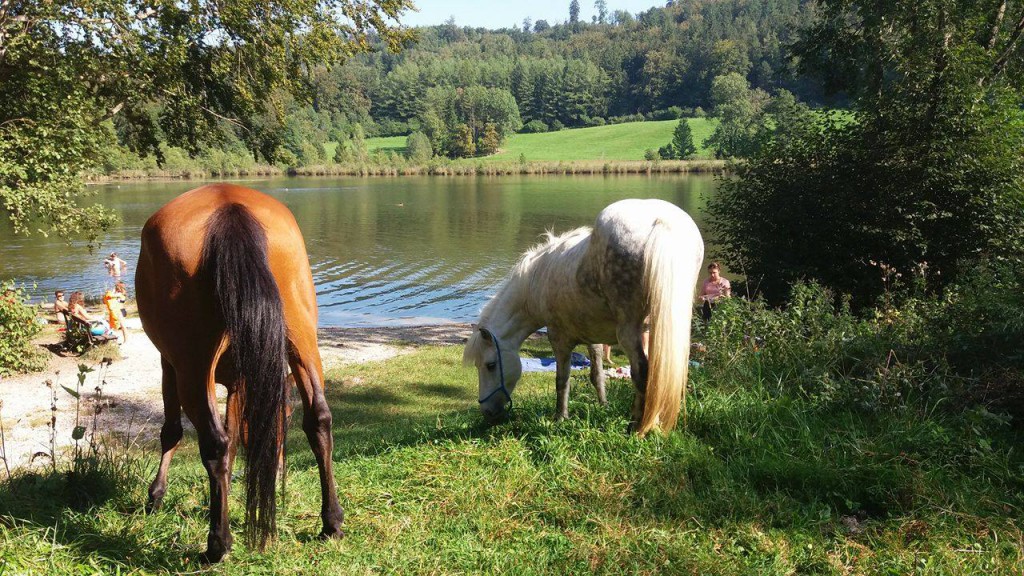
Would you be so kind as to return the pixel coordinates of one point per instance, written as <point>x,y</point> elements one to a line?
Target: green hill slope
<point>614,142</point>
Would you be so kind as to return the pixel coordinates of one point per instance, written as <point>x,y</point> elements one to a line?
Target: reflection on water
<point>383,251</point>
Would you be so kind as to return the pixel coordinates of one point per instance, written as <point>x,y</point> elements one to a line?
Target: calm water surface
<point>384,252</point>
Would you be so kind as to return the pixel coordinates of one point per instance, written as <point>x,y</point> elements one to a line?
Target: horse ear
<point>486,334</point>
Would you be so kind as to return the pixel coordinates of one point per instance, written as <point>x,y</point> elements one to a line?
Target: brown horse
<point>226,294</point>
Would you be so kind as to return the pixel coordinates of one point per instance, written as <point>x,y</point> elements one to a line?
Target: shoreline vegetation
<point>626,148</point>
<point>580,167</point>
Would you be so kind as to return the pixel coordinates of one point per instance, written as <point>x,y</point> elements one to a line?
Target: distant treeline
<point>461,91</point>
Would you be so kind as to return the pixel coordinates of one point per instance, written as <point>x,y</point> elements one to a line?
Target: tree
<point>682,140</point>
<point>574,12</point>
<point>418,148</point>
<point>541,26</point>
<point>462,145</point>
<point>602,11</point>
<point>926,171</point>
<point>739,116</point>
<point>67,66</point>
<point>490,140</point>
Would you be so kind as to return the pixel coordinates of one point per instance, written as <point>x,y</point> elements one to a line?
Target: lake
<point>384,251</point>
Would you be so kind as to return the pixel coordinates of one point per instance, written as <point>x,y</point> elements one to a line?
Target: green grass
<point>761,483</point>
<point>617,142</point>
<point>614,142</point>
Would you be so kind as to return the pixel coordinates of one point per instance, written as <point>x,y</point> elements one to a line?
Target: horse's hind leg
<point>597,371</point>
<point>631,341</point>
<point>170,435</point>
<point>233,421</point>
<point>317,424</point>
<point>196,392</point>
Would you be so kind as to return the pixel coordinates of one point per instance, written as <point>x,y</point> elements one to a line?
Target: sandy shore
<point>132,408</point>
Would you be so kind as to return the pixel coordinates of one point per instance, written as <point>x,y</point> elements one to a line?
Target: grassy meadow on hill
<point>615,142</point>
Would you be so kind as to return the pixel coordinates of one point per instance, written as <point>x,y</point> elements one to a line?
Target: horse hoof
<point>216,550</point>
<point>154,505</point>
<point>331,534</point>
<point>212,556</point>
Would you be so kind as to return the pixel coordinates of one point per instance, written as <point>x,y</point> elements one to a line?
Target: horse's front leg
<point>597,371</point>
<point>563,355</point>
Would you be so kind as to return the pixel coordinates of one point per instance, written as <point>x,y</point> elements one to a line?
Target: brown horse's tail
<point>235,259</point>
<point>672,260</point>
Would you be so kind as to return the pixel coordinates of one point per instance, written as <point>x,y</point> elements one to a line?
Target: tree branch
<point>169,94</point>
<point>1000,64</point>
<point>996,25</point>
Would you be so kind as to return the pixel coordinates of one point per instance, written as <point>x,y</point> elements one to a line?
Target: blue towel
<point>577,360</point>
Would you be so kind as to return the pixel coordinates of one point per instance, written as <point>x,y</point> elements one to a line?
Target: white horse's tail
<point>670,275</point>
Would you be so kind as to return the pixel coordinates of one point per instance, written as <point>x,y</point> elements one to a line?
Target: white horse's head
<point>498,367</point>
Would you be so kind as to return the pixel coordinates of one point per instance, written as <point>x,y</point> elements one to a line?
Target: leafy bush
<point>389,127</point>
<point>670,113</point>
<point>534,127</point>
<point>966,343</point>
<point>18,326</point>
<point>418,148</point>
<point>626,119</point>
<point>557,125</point>
<point>650,154</point>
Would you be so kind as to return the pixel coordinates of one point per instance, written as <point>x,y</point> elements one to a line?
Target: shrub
<point>668,152</point>
<point>18,325</point>
<point>670,113</point>
<point>389,127</point>
<point>418,148</point>
<point>534,127</point>
<point>650,154</point>
<point>814,348</point>
<point>557,125</point>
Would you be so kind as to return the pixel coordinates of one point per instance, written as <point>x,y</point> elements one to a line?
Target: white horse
<point>595,286</point>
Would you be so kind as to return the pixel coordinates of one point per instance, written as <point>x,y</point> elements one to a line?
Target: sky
<point>504,14</point>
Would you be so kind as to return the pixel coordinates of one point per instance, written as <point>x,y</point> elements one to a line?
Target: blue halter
<point>501,372</point>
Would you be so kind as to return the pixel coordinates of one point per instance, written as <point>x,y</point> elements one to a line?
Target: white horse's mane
<point>528,270</point>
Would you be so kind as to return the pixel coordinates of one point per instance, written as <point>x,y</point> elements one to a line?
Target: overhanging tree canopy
<point>68,66</point>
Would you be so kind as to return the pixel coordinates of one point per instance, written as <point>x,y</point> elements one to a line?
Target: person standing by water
<point>121,290</point>
<point>714,287</point>
<point>115,313</point>
<point>115,266</point>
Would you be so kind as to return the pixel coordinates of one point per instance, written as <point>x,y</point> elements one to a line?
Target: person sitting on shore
<point>97,325</point>
<point>714,287</point>
<point>60,308</point>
